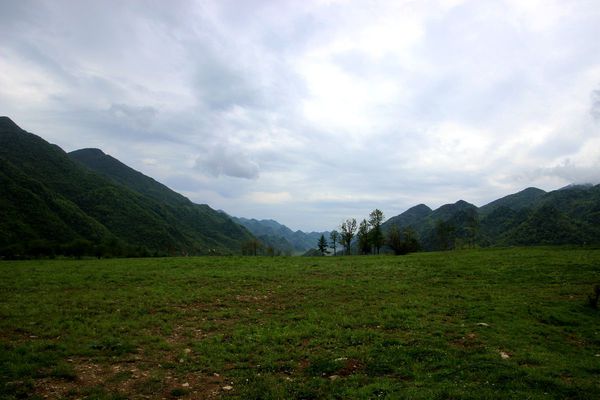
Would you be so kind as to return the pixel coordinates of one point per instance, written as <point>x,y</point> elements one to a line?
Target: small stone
<point>217,375</point>
<point>504,355</point>
<point>333,377</point>
<point>227,388</point>
<point>186,384</point>
<point>181,360</point>
<point>187,351</point>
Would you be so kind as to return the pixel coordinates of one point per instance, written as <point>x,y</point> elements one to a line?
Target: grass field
<point>482,324</point>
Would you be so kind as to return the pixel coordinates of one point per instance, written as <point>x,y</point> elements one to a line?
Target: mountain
<point>517,201</point>
<point>409,218</point>
<point>52,201</point>
<point>280,236</point>
<point>570,215</point>
<point>115,170</point>
<point>427,224</point>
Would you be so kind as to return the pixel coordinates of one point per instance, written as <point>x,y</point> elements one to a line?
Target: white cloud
<point>324,109</point>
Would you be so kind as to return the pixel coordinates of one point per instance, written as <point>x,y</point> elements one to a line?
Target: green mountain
<point>51,202</point>
<point>570,215</point>
<point>435,228</point>
<point>517,201</point>
<point>198,221</point>
<point>409,218</point>
<point>272,233</point>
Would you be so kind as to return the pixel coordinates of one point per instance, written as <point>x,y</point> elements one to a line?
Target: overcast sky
<point>309,112</point>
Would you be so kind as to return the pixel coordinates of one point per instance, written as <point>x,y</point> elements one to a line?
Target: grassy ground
<point>487,324</point>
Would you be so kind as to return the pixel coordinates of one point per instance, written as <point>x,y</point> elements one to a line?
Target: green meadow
<point>480,324</point>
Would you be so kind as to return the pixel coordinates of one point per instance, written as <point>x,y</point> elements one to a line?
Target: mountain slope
<point>55,199</point>
<point>524,199</point>
<point>196,220</point>
<point>409,218</point>
<point>271,232</point>
<point>570,215</point>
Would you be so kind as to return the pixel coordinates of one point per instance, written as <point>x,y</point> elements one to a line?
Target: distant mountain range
<point>87,201</point>
<point>279,236</point>
<point>570,215</point>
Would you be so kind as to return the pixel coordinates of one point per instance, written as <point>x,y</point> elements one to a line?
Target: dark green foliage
<point>402,242</point>
<point>376,234</point>
<point>363,236</point>
<point>54,205</point>
<point>322,245</point>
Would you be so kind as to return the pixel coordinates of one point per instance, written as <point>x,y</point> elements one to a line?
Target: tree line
<point>367,237</point>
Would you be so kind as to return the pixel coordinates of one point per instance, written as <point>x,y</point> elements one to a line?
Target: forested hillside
<point>52,204</point>
<point>570,215</point>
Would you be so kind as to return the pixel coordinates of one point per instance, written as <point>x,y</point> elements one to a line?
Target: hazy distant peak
<point>577,186</point>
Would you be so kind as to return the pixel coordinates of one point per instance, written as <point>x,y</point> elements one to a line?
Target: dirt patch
<point>351,366</point>
<point>136,380</point>
<point>469,341</point>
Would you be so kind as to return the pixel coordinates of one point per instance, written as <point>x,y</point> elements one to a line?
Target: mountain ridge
<point>51,200</point>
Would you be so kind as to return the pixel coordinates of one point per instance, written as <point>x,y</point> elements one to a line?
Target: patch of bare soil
<point>133,380</point>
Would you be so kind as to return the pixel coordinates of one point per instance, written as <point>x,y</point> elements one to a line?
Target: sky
<point>311,112</point>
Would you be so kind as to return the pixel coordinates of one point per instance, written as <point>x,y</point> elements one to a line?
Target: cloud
<point>572,172</point>
<point>226,160</point>
<point>311,112</point>
<point>139,117</point>
<point>269,197</point>
<point>595,108</point>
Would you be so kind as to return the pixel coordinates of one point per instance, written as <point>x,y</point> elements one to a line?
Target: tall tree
<point>322,245</point>
<point>364,244</point>
<point>375,220</point>
<point>348,229</point>
<point>334,237</point>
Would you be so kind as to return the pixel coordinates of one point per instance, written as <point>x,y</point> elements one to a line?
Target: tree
<point>322,245</point>
<point>394,240</point>
<point>334,236</point>
<point>375,220</point>
<point>402,243</point>
<point>251,247</point>
<point>364,244</point>
<point>348,228</point>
